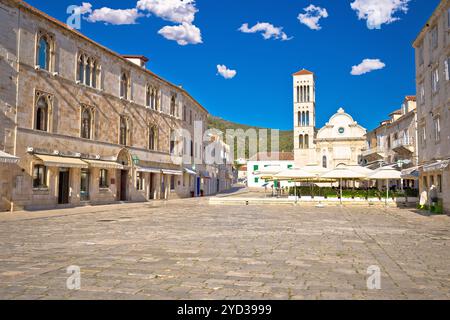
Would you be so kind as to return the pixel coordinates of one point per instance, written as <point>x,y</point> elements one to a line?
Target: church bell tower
<point>304,118</point>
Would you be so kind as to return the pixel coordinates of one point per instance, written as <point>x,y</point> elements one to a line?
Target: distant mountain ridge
<point>286,136</point>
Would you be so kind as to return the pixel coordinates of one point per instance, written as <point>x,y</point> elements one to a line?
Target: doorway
<point>84,185</point>
<point>63,190</point>
<point>151,188</point>
<point>123,185</point>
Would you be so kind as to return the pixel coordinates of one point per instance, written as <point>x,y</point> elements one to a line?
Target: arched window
<point>86,123</point>
<point>301,144</point>
<point>124,86</point>
<point>298,94</point>
<point>303,118</point>
<point>173,106</point>
<point>148,96</point>
<point>123,131</point>
<point>44,53</point>
<point>154,99</point>
<point>307,118</point>
<point>325,162</point>
<point>88,72</point>
<point>152,139</point>
<point>95,74</point>
<point>306,141</point>
<point>81,68</point>
<point>41,122</point>
<point>299,121</point>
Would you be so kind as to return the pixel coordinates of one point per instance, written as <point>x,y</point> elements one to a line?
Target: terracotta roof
<point>302,72</point>
<point>410,98</point>
<point>243,168</point>
<point>281,156</point>
<point>399,111</point>
<point>38,12</point>
<point>131,56</point>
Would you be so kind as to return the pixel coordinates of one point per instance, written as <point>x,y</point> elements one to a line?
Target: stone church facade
<point>339,142</point>
<point>89,125</point>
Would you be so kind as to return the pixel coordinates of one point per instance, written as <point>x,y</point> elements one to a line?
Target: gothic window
<point>86,123</point>
<point>44,53</point>
<point>173,106</point>
<point>41,117</point>
<point>148,96</point>
<point>124,86</point>
<point>325,162</point>
<point>306,141</point>
<point>81,68</point>
<point>301,142</point>
<point>299,115</point>
<point>152,139</point>
<point>124,131</point>
<point>307,118</point>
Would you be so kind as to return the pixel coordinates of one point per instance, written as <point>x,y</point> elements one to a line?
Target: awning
<point>172,172</point>
<point>54,161</point>
<point>104,164</point>
<point>411,173</point>
<point>189,171</point>
<point>437,166</point>
<point>205,175</point>
<point>7,158</point>
<point>148,170</point>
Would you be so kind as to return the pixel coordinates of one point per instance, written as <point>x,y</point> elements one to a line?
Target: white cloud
<point>268,31</point>
<point>85,7</point>
<point>225,72</point>
<point>115,16</point>
<point>367,66</point>
<point>177,11</point>
<point>183,34</point>
<point>378,12</point>
<point>312,16</point>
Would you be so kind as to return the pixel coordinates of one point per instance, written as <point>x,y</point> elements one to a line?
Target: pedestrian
<point>434,195</point>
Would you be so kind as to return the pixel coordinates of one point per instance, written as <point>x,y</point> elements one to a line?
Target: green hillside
<point>286,137</point>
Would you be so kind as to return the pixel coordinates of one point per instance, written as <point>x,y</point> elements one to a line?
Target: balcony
<point>404,145</point>
<point>373,154</point>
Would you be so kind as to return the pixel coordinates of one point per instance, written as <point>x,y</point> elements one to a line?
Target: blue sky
<point>261,92</point>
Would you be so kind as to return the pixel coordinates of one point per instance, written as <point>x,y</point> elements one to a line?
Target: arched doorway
<point>124,158</point>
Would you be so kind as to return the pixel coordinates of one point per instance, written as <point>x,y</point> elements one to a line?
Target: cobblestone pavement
<point>191,250</point>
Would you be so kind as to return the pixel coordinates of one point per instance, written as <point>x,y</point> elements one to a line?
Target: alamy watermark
<point>374,279</point>
<point>73,282</point>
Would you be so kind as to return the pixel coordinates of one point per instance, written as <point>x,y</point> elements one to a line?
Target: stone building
<point>394,141</point>
<point>89,126</point>
<point>339,142</point>
<point>432,58</point>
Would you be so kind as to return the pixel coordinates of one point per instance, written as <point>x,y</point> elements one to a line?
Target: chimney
<point>138,60</point>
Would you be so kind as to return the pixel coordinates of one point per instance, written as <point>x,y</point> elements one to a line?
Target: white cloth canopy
<point>293,174</point>
<point>343,173</point>
<point>316,170</point>
<point>386,174</point>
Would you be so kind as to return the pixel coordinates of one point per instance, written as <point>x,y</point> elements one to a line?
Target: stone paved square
<point>192,250</point>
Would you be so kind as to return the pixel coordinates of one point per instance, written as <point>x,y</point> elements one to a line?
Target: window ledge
<point>104,189</point>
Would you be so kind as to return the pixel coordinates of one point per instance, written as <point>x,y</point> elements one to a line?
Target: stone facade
<point>127,132</point>
<point>433,107</point>
<point>394,142</point>
<point>339,142</point>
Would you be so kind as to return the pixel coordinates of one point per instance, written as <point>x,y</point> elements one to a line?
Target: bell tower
<point>304,118</point>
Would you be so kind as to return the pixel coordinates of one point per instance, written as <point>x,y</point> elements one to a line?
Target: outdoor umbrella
<point>386,173</point>
<point>343,173</point>
<point>293,174</point>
